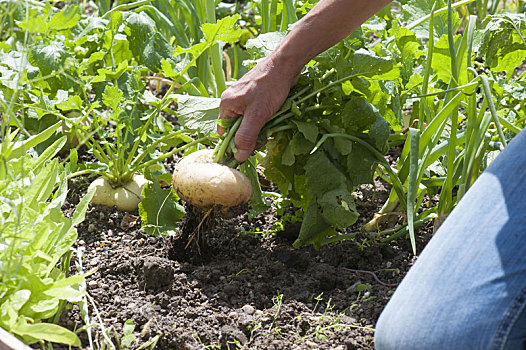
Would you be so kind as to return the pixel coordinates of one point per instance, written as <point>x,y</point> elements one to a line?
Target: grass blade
<point>413,183</point>
<point>491,105</point>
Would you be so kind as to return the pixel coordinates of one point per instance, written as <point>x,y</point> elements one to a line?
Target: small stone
<point>248,309</point>
<point>128,221</point>
<point>265,319</point>
<point>232,314</point>
<point>101,215</point>
<point>81,242</point>
<point>117,299</point>
<point>259,312</point>
<point>132,306</point>
<point>93,284</point>
<point>311,344</point>
<point>91,228</point>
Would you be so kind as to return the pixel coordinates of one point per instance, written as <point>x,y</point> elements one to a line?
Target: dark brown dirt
<point>253,290</point>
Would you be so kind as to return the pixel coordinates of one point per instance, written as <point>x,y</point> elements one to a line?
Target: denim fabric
<point>467,289</point>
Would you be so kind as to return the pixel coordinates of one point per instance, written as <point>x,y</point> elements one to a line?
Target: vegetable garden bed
<point>249,289</point>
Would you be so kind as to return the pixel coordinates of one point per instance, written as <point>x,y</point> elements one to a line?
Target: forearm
<point>325,25</point>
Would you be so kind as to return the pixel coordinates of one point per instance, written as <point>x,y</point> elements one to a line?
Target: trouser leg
<point>467,290</point>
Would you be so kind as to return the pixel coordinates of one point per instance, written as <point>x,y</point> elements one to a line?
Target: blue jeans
<point>467,289</point>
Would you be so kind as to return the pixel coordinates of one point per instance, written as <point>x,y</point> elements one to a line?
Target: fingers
<point>247,134</point>
<point>229,107</point>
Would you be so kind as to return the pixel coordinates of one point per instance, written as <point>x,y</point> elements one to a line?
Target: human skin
<point>261,92</point>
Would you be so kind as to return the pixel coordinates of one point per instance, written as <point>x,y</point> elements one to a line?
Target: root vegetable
<point>125,197</point>
<point>200,181</point>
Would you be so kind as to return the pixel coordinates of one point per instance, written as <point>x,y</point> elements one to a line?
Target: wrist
<point>287,63</point>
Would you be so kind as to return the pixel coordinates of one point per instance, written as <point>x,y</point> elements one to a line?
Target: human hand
<point>256,96</point>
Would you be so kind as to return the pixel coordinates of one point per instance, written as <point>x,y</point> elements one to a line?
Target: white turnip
<point>200,181</point>
<point>125,197</point>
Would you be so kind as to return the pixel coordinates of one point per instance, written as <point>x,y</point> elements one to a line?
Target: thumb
<point>247,134</point>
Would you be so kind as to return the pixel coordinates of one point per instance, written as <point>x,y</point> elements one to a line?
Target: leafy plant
<point>455,117</point>
<point>35,238</point>
<point>326,139</point>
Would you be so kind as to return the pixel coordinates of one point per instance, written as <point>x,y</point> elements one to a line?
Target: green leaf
<point>19,148</point>
<point>127,330</point>
<point>264,44</point>
<point>224,30</point>
<point>80,210</point>
<point>309,130</point>
<point>70,293</point>
<point>441,62</point>
<point>288,156</point>
<point>112,96</point>
<point>337,207</point>
<point>360,163</point>
<point>322,175</point>
<point>155,49</point>
<point>116,19</point>
<point>18,299</point>
<point>366,63</point>
<point>314,228</point>
<point>43,306</point>
<point>146,43</point>
<point>73,102</point>
<point>141,26</point>
<point>48,58</point>
<point>502,44</point>
<point>414,10</point>
<point>96,57</point>
<point>344,146</point>
<point>46,331</point>
<point>168,70</point>
<point>159,210</point>
<point>410,50</point>
<point>510,61</point>
<point>407,43</point>
<point>128,327</point>
<point>65,19</point>
<point>49,153</point>
<point>300,145</point>
<point>358,114</point>
<point>379,132</point>
<point>36,22</point>
<point>197,113</point>
<point>43,184</point>
<point>104,74</point>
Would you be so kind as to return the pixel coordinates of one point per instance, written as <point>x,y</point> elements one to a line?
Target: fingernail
<point>242,155</point>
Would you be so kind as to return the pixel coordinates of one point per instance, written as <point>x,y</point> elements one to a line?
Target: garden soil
<point>248,289</point>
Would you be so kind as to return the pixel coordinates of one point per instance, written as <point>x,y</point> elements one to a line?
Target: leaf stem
<point>222,146</point>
